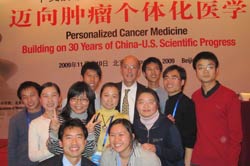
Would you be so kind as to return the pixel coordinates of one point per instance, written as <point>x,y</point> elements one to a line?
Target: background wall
<point>48,40</point>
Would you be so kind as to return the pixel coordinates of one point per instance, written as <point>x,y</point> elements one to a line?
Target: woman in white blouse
<point>39,127</point>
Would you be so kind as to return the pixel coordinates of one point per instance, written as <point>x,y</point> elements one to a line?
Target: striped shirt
<point>90,148</point>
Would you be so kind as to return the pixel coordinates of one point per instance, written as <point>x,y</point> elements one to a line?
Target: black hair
<point>92,66</point>
<point>179,69</point>
<point>50,84</point>
<point>77,89</point>
<point>25,85</point>
<point>151,60</point>
<point>152,92</point>
<point>70,124</point>
<point>205,55</point>
<point>108,84</point>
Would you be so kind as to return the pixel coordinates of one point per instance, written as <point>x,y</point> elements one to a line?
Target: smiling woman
<point>39,127</point>
<point>124,149</point>
<point>155,132</point>
<point>79,105</point>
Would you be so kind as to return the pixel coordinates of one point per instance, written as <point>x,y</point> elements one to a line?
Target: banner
<point>50,40</point>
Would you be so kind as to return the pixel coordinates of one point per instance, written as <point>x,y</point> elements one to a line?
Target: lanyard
<point>176,105</point>
<point>106,134</point>
<point>118,160</point>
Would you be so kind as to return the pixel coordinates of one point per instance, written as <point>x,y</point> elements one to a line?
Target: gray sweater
<point>18,139</point>
<point>138,157</point>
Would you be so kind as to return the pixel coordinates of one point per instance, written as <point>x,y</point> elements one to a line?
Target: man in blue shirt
<point>72,135</point>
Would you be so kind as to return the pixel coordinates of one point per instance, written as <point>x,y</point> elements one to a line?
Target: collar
<point>66,162</point>
<point>107,112</point>
<point>211,91</point>
<point>157,123</point>
<point>83,115</point>
<point>175,96</point>
<point>40,112</point>
<point>149,122</point>
<point>132,87</point>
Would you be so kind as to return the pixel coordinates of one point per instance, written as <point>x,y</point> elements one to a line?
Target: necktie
<point>125,105</point>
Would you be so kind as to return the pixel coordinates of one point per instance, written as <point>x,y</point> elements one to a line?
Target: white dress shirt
<point>131,99</point>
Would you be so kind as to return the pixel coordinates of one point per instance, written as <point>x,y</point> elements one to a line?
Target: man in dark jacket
<point>72,135</point>
<point>130,71</point>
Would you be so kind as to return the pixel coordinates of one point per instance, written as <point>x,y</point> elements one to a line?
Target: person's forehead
<point>205,62</point>
<point>29,89</point>
<point>117,128</point>
<point>50,89</point>
<point>173,73</point>
<point>91,71</point>
<point>146,96</point>
<point>152,64</point>
<point>110,89</point>
<point>130,61</point>
<point>72,131</point>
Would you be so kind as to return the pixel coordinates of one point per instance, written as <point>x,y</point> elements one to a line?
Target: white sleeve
<point>37,150</point>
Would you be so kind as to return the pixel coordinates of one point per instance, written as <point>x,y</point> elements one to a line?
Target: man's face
<point>206,71</point>
<point>73,143</point>
<point>130,70</point>
<point>30,99</point>
<point>152,72</point>
<point>172,82</point>
<point>91,78</point>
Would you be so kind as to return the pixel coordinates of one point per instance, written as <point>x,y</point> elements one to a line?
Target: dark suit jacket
<point>140,87</point>
<point>57,161</point>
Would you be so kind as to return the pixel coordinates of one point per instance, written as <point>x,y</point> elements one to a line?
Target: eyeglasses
<point>207,67</point>
<point>174,78</point>
<point>80,99</point>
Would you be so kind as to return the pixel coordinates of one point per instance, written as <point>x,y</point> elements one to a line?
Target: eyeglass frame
<point>174,78</point>
<point>80,99</point>
<point>208,67</point>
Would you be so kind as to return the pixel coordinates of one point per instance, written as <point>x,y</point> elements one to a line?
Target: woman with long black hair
<point>80,104</point>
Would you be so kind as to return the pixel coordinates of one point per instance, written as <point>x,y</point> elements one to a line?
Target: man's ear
<point>183,82</point>
<point>60,144</point>
<point>85,142</point>
<point>217,71</point>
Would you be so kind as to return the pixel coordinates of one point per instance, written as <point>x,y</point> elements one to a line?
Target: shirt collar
<point>211,91</point>
<point>132,87</point>
<point>66,162</point>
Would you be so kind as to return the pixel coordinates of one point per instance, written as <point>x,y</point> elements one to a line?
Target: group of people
<point>129,124</point>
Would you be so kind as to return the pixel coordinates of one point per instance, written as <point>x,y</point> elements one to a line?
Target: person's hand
<point>170,117</point>
<point>108,146</point>
<point>54,123</point>
<point>91,124</point>
<point>150,147</point>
